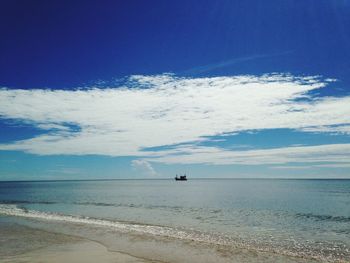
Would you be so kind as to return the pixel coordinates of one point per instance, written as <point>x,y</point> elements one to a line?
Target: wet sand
<point>23,243</point>
<point>79,252</point>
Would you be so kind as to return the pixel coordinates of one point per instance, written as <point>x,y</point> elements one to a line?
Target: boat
<point>181,178</point>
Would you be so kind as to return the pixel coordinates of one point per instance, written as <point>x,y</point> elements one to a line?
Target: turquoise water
<point>306,218</point>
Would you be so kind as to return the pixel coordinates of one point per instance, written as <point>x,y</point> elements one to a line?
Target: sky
<point>150,89</point>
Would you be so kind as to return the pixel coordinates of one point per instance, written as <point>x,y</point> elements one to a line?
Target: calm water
<point>309,218</point>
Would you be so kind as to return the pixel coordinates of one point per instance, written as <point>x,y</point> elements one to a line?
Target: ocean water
<point>301,218</point>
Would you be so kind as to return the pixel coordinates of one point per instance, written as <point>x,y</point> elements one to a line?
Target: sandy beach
<point>79,252</point>
<point>24,244</point>
<point>21,243</point>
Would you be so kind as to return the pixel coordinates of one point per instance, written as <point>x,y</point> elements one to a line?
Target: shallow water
<point>305,218</point>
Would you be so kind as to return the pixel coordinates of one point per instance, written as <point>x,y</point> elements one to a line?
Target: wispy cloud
<point>233,61</point>
<point>336,153</point>
<point>303,167</point>
<point>66,170</point>
<point>334,129</point>
<point>152,111</point>
<point>144,167</point>
<point>290,167</point>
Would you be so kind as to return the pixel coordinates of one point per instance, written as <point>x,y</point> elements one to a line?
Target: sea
<point>307,219</point>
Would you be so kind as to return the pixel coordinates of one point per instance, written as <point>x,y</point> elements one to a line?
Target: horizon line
<point>155,179</point>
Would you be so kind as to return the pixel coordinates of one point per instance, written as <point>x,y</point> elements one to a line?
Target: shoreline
<point>158,242</point>
<point>79,243</point>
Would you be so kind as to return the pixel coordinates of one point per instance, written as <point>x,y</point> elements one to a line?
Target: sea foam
<point>13,210</point>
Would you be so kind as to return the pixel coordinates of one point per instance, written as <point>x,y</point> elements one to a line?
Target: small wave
<point>108,204</point>
<point>13,210</point>
<point>344,219</point>
<point>129,205</point>
<point>19,202</point>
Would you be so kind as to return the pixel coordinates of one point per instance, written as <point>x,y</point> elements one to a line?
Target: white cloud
<point>144,167</point>
<point>333,165</point>
<point>336,153</point>
<point>150,111</point>
<point>342,129</point>
<point>290,167</point>
<point>303,167</point>
<point>66,170</point>
<point>52,126</point>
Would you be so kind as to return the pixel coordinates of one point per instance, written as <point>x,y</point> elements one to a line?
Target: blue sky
<point>147,89</point>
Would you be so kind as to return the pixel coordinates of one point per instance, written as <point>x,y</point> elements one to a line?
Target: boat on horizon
<point>181,178</point>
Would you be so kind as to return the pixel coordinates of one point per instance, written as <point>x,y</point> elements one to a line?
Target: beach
<point>24,244</point>
<point>104,221</point>
<point>20,243</point>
